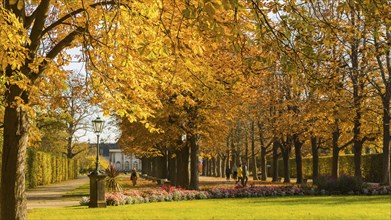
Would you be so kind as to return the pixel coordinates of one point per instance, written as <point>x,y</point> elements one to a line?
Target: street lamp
<point>97,180</point>
<point>98,127</point>
<point>183,138</point>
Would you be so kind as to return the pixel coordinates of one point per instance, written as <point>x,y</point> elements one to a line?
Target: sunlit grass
<point>83,190</point>
<point>335,207</point>
<point>329,207</point>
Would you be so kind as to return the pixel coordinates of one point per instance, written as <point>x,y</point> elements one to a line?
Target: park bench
<point>163,182</point>
<point>159,181</point>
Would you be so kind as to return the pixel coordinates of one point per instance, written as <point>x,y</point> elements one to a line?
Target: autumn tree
<point>378,36</point>
<point>41,31</point>
<point>75,104</point>
<point>349,57</point>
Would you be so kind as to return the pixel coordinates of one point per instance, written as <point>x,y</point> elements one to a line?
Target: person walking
<point>245,175</point>
<point>133,177</point>
<point>240,174</point>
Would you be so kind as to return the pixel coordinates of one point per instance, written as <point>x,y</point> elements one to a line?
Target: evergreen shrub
<point>371,166</point>
<point>343,185</point>
<point>45,168</point>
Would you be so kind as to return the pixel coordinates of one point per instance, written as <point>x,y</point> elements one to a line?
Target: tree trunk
<point>315,159</point>
<point>204,166</point>
<point>263,164</point>
<point>276,146</point>
<point>213,167</point>
<point>194,177</point>
<point>179,169</point>
<point>233,150</point>
<point>253,156</point>
<point>386,177</point>
<point>224,167</point>
<point>143,165</point>
<point>357,145</point>
<point>150,166</point>
<point>285,158</point>
<point>69,148</point>
<point>227,158</point>
<point>210,167</point>
<point>263,153</point>
<point>165,165</point>
<point>216,166</point>
<point>156,166</point>
<point>185,159</point>
<point>16,128</point>
<point>162,167</point>
<point>357,98</point>
<point>299,160</point>
<point>335,160</point>
<point>172,169</point>
<point>219,173</point>
<point>246,160</point>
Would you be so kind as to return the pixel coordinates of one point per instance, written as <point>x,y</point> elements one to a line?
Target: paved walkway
<point>51,196</point>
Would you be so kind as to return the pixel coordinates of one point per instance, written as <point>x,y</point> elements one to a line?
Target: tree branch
<point>56,50</point>
<point>78,11</point>
<point>29,19</point>
<point>65,42</point>
<point>39,22</point>
<point>78,152</point>
<point>346,144</point>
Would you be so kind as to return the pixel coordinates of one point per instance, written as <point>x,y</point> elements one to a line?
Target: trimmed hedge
<point>45,168</point>
<point>371,165</point>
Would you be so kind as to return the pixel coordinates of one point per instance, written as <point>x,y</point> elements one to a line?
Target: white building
<point>123,162</point>
<point>113,153</point>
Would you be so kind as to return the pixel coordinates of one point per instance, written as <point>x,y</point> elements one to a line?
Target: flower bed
<point>168,194</point>
<point>259,191</point>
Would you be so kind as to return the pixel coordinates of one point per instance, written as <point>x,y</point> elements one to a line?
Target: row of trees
<point>314,76</point>
<point>315,71</point>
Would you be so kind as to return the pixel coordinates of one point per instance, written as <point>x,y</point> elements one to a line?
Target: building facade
<point>114,154</point>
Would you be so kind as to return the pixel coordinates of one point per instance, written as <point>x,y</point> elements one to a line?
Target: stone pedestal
<point>97,190</point>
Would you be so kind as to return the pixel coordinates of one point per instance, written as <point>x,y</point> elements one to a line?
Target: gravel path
<point>51,196</point>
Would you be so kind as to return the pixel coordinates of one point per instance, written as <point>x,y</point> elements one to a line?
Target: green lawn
<point>329,207</point>
<point>83,190</point>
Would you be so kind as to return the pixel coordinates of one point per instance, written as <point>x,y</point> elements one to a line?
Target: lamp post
<point>183,138</point>
<point>98,127</point>
<point>97,180</point>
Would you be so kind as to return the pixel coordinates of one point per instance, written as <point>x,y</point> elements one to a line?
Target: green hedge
<point>371,165</point>
<point>45,168</point>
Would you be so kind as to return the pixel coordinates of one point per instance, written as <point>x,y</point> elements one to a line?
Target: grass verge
<point>83,190</point>
<point>327,207</point>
